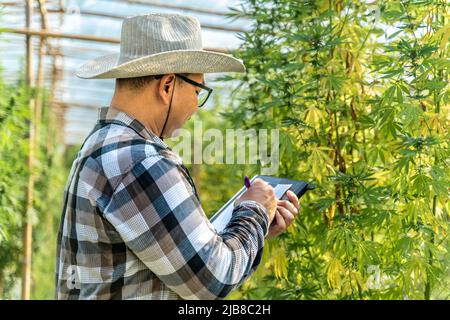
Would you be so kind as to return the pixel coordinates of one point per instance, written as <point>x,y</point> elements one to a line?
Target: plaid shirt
<point>133,227</point>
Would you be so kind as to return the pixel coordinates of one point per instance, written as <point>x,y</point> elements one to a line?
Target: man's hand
<point>285,215</point>
<point>261,192</point>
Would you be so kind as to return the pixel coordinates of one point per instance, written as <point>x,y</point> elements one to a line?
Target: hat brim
<point>178,61</point>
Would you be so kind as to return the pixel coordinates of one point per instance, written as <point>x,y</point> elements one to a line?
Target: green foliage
<point>14,117</point>
<point>50,169</point>
<point>361,94</point>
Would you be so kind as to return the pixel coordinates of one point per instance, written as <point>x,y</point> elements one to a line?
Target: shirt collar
<point>111,114</point>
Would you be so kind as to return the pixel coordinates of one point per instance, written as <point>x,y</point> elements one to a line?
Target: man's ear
<point>166,85</point>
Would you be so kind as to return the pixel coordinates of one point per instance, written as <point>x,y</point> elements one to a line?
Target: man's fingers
<point>281,224</point>
<point>286,215</point>
<point>288,205</point>
<point>293,199</point>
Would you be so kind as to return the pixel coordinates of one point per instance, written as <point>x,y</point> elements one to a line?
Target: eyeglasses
<point>204,93</point>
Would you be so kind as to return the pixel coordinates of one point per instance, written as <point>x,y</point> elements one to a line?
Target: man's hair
<point>139,83</point>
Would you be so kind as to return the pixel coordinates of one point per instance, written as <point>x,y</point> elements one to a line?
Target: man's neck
<point>144,111</point>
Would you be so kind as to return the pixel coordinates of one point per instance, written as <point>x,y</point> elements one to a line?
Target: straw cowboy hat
<point>158,43</point>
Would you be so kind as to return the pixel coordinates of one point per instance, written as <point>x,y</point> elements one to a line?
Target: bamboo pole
<point>51,113</point>
<point>59,110</point>
<point>121,17</point>
<point>58,76</point>
<point>60,35</point>
<point>154,4</point>
<point>27,226</point>
<point>174,7</point>
<point>38,104</point>
<point>40,73</point>
<point>55,34</point>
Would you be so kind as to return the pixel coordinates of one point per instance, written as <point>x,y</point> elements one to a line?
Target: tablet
<point>280,186</point>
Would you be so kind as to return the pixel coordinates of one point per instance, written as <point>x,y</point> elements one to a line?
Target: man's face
<point>184,103</point>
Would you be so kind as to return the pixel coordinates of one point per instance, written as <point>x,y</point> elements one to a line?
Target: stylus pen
<point>247,182</point>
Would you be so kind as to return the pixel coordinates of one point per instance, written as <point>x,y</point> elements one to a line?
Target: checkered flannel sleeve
<point>162,222</point>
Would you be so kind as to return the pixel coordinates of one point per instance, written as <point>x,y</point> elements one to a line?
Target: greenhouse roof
<point>85,29</point>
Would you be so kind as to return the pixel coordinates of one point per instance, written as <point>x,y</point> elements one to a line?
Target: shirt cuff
<point>258,208</point>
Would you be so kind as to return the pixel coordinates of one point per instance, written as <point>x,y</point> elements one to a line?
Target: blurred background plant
<point>51,167</point>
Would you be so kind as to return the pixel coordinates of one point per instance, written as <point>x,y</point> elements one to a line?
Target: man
<point>132,224</point>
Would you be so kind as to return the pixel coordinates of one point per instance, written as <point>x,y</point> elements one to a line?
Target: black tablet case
<point>299,187</point>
